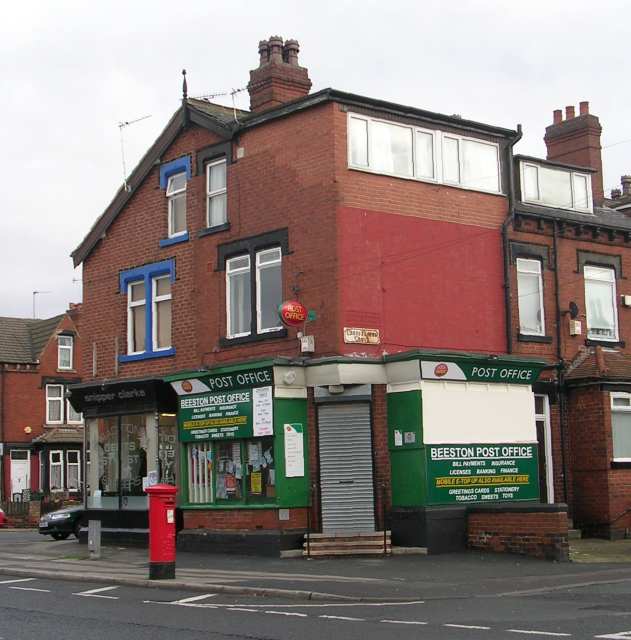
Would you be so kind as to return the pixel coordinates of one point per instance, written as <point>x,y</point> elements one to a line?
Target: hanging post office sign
<point>482,473</point>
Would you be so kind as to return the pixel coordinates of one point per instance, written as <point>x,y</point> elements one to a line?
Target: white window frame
<point>614,305</point>
<point>59,399</point>
<point>130,317</point>
<point>261,267</point>
<point>171,197</point>
<point>521,262</point>
<point>68,410</point>
<point>618,409</point>
<point>63,347</point>
<point>217,192</point>
<point>547,436</point>
<point>235,271</point>
<point>73,464</point>
<point>155,298</point>
<point>52,464</point>
<point>438,137</point>
<point>571,206</point>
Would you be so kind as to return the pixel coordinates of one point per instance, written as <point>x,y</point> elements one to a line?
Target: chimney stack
<point>576,140</point>
<point>278,78</point>
<point>626,185</point>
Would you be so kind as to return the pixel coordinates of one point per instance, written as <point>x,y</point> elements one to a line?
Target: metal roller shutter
<point>346,467</point>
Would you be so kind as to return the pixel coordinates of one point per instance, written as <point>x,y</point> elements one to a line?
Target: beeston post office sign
<point>486,371</point>
<point>482,473</point>
<point>226,411</point>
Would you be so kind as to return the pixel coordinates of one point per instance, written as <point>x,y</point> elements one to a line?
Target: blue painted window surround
<point>146,274</point>
<point>169,169</point>
<point>167,242</point>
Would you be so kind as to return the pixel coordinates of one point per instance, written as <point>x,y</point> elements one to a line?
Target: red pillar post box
<point>161,531</point>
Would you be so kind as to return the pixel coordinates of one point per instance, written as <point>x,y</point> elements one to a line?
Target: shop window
<point>56,471</point>
<point>54,403</point>
<point>149,298</point>
<point>530,297</point>
<point>235,472</point>
<point>216,194</point>
<point>411,152</point>
<point>64,352</point>
<point>167,447</point>
<point>103,435</point>
<point>621,426</point>
<point>133,448</point>
<point>600,303</point>
<point>73,470</point>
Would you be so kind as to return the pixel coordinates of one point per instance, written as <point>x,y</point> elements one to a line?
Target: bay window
<point>56,471</point>
<point>621,426</point>
<point>600,303</point>
<point>73,470</point>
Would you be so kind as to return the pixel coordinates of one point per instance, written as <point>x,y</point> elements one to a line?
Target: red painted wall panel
<point>422,283</point>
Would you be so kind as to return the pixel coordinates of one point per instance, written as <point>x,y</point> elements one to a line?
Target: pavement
<point>404,578</point>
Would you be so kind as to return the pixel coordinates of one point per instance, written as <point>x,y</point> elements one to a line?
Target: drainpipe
<point>507,222</point>
<point>560,360</point>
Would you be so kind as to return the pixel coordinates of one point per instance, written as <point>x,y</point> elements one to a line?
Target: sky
<point>70,72</point>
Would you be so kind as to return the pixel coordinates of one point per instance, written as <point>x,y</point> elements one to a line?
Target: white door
<point>20,476</point>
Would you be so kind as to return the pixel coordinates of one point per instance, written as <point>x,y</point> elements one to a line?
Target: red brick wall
<point>285,179</point>
<point>381,454</point>
<point>242,519</point>
<point>537,534</point>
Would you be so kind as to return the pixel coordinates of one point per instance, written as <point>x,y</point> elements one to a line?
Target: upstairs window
<point>176,199</point>
<point>560,188</point>
<point>424,154</point>
<point>216,194</point>
<point>621,426</point>
<point>266,280</point>
<point>54,403</point>
<point>72,416</point>
<point>148,291</point>
<point>530,297</point>
<point>64,352</point>
<point>600,303</point>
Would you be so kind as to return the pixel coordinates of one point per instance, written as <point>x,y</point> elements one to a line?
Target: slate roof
<point>59,435</point>
<point>600,363</point>
<point>601,217</point>
<point>23,339</point>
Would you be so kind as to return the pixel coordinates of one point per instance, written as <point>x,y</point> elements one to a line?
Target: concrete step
<point>346,552</point>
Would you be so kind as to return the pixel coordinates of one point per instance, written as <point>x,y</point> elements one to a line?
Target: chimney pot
<point>615,194</point>
<point>275,50</point>
<point>290,51</point>
<point>263,52</point>
<point>626,185</point>
<point>557,116</point>
<point>569,112</point>
<point>583,107</point>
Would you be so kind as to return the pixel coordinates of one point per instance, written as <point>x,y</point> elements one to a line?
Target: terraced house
<point>404,400</point>
<point>41,435</point>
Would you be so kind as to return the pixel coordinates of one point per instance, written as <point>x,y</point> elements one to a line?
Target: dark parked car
<point>60,524</point>
<point>3,519</point>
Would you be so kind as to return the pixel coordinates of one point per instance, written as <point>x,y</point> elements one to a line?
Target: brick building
<point>569,253</point>
<point>386,222</point>
<point>40,433</point>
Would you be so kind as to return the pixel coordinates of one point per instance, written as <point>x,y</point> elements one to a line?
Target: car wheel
<point>76,530</point>
<point>59,536</point>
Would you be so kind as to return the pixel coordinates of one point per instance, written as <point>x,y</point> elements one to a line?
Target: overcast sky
<point>71,71</point>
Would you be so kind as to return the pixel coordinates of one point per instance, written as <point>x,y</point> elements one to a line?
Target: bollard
<point>94,539</point>
<point>161,531</point>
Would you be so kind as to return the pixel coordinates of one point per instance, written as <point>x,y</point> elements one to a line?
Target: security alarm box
<point>626,301</point>
<point>575,328</point>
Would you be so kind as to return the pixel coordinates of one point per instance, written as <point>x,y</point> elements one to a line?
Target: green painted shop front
<point>243,441</point>
<point>461,431</point>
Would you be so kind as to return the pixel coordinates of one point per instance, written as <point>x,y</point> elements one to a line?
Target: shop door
<point>19,472</point>
<point>346,481</point>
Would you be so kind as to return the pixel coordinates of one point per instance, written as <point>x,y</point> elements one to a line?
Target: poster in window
<point>255,483</point>
<point>294,450</point>
<point>262,412</point>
